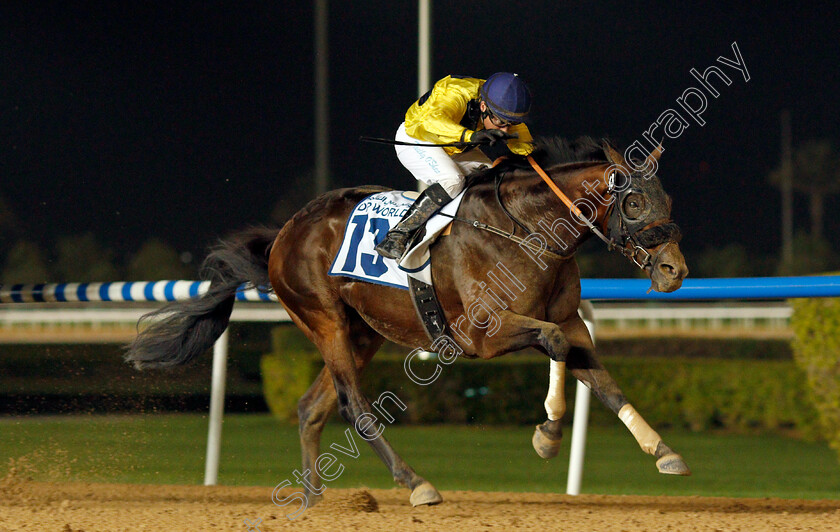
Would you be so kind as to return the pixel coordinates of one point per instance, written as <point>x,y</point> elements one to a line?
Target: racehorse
<point>348,319</point>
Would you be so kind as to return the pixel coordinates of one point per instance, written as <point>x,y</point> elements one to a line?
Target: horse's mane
<point>552,151</point>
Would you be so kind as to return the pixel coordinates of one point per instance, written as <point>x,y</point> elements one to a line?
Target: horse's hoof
<point>672,464</point>
<point>425,493</point>
<point>545,446</point>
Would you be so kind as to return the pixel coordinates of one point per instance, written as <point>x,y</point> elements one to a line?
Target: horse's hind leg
<point>314,409</point>
<point>316,405</point>
<point>581,362</point>
<point>355,408</point>
<point>345,353</point>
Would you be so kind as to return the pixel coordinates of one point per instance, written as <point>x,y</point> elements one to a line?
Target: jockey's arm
<point>524,143</point>
<point>438,118</point>
<point>440,124</point>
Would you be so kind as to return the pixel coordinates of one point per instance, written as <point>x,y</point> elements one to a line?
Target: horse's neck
<point>531,200</point>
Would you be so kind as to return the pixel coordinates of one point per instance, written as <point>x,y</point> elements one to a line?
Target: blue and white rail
<point>591,289</point>
<point>145,291</point>
<point>153,291</point>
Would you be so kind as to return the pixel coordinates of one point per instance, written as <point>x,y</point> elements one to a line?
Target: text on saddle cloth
<point>368,224</point>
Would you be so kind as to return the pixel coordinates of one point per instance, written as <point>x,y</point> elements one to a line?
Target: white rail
<point>18,314</point>
<point>618,316</point>
<point>746,314</point>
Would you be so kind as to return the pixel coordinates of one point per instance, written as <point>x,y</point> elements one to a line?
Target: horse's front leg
<point>548,436</point>
<point>518,332</point>
<point>569,346</point>
<point>581,362</point>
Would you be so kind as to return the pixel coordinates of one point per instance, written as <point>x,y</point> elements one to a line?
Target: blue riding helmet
<point>507,96</point>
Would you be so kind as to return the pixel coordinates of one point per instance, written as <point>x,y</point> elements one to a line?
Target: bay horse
<point>348,319</point>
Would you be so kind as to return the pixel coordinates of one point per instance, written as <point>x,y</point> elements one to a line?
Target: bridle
<point>631,240</point>
<point>636,235</point>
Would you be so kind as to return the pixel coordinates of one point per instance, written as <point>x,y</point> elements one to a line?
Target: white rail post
<point>424,46</point>
<point>424,55</point>
<point>217,410</point>
<point>581,418</point>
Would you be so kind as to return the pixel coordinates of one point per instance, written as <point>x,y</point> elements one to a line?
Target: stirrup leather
<point>396,241</point>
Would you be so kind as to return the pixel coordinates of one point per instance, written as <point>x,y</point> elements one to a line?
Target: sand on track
<point>76,507</point>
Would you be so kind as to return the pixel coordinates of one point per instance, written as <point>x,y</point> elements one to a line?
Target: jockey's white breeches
<point>431,164</point>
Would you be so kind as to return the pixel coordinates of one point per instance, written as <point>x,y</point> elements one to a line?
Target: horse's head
<point>624,200</point>
<point>640,221</point>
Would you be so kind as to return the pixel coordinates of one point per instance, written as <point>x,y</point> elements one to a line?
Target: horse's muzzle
<point>668,268</point>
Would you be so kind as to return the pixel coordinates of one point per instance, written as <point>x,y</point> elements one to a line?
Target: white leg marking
<point>555,401</point>
<point>647,437</point>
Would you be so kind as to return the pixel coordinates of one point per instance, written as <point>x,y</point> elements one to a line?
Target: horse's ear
<point>614,156</point>
<point>653,158</point>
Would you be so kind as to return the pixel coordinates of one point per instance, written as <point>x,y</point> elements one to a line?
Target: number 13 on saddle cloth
<point>367,225</point>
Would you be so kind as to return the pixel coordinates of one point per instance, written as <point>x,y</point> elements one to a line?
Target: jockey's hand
<point>491,136</point>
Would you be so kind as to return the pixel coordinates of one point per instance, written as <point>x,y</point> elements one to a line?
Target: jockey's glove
<point>491,136</point>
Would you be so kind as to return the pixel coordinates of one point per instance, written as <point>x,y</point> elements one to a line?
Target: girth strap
<point>428,308</point>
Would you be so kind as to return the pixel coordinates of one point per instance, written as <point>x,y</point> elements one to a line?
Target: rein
<point>638,255</point>
<point>565,199</point>
<point>553,253</point>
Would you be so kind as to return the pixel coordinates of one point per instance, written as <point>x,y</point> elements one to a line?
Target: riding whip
<point>378,140</point>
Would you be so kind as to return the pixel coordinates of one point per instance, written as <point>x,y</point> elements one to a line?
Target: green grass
<point>257,450</point>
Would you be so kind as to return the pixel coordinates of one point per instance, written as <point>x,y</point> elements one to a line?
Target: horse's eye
<point>634,205</point>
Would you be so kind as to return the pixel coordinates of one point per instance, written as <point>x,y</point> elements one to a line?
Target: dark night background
<point>185,121</point>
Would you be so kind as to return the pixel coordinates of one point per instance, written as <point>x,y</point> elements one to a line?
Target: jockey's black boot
<point>430,201</point>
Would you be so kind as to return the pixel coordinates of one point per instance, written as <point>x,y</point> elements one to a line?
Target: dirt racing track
<point>75,507</point>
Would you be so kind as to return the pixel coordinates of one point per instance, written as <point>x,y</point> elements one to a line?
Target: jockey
<point>457,109</point>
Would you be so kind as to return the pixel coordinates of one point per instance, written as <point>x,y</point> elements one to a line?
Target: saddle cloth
<point>367,225</point>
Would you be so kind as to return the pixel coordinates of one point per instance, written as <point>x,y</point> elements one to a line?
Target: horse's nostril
<point>668,270</point>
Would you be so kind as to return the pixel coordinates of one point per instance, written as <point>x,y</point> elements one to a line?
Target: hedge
<point>816,349</point>
<point>683,392</point>
<point>288,371</point>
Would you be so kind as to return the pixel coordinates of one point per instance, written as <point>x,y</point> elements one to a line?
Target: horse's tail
<point>179,332</point>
